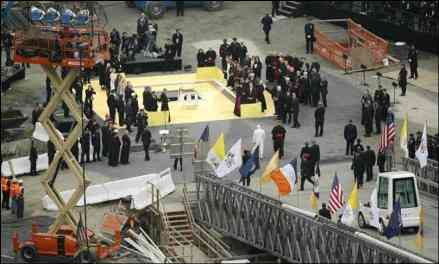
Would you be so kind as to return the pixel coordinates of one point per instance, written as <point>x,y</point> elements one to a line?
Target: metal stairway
<point>291,9</point>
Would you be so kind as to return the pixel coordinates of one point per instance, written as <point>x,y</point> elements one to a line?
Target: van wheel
<point>29,253</point>
<point>361,221</point>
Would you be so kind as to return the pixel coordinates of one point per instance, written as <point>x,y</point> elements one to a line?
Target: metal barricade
<point>427,177</point>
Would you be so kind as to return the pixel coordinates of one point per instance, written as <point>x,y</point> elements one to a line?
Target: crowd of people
<point>416,15</point>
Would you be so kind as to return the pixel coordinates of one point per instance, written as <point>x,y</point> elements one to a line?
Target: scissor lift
<point>77,48</point>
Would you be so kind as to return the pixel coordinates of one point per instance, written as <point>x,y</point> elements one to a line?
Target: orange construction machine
<point>63,243</point>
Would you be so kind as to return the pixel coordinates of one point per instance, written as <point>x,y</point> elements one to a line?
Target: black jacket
<point>325,213</point>
<point>350,132</point>
<point>177,39</point>
<point>146,137</point>
<point>319,114</point>
<point>266,22</point>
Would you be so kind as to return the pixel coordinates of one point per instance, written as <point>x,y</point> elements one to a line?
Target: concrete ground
<point>204,30</point>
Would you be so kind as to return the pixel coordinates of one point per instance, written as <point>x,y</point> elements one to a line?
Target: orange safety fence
<point>333,51</point>
<point>378,46</point>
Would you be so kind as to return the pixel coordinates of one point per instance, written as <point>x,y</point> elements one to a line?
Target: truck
<point>156,9</point>
<point>391,187</point>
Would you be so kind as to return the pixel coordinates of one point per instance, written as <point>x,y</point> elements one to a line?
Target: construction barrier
<point>341,54</point>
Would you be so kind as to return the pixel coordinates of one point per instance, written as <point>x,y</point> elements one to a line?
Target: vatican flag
<point>216,153</point>
<point>348,216</point>
<point>403,136</point>
<point>232,160</point>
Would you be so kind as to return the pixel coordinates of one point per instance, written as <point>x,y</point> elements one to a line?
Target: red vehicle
<point>63,243</point>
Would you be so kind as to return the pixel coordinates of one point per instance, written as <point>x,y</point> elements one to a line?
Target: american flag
<point>388,134</point>
<point>335,196</point>
<point>81,233</point>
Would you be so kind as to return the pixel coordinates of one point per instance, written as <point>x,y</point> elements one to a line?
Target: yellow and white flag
<point>403,136</point>
<point>216,153</point>
<point>232,160</point>
<point>422,152</point>
<point>420,234</point>
<point>271,166</point>
<point>348,216</point>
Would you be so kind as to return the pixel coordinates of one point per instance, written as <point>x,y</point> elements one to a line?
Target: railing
<point>204,239</point>
<point>427,177</point>
<point>288,234</point>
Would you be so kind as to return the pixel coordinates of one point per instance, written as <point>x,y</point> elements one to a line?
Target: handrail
<point>215,245</point>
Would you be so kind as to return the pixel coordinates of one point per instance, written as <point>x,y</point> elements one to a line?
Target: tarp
<point>21,165</point>
<point>136,187</point>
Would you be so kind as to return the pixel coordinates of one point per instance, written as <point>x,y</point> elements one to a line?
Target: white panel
<point>21,165</point>
<point>135,187</point>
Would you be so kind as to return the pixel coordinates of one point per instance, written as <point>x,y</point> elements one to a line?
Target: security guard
<point>20,199</point>
<point>6,184</point>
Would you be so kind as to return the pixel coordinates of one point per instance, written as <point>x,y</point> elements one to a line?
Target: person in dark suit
<point>164,100</point>
<point>180,8</point>
<point>319,116</point>
<point>402,79</point>
<point>114,152</point>
<point>33,157</point>
<point>411,145</point>
<point>146,141</point>
<point>201,58</point>
<point>125,152</point>
<point>324,91</point>
<point>278,135</point>
<point>369,161</point>
<point>350,134</point>
<point>177,39</point>
<point>309,37</point>
<point>325,212</point>
<point>413,61</point>
<point>266,27</point>
<point>96,142</point>
<point>295,107</point>
<point>85,146</point>
<point>141,121</point>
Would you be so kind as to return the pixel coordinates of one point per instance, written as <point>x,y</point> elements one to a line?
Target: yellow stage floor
<point>213,106</point>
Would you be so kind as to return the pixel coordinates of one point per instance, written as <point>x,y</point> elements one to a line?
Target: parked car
<point>156,9</point>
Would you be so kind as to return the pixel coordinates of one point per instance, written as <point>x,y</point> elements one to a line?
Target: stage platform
<point>215,101</point>
<point>145,65</point>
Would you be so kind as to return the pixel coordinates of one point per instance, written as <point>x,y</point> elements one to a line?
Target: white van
<point>389,187</point>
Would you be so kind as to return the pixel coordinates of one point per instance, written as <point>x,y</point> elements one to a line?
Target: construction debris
<point>146,247</point>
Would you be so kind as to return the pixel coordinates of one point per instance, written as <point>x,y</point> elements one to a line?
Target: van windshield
<point>404,189</point>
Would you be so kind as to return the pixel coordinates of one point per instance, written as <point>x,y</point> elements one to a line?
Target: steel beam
<point>63,94</point>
